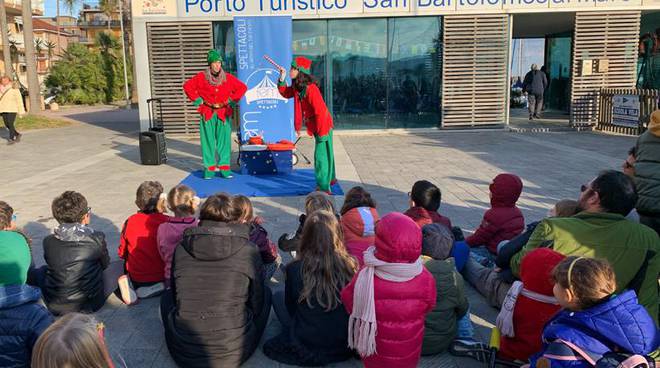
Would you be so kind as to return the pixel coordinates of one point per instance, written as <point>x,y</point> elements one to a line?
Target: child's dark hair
<point>357,197</point>
<point>220,207</point>
<point>245,206</point>
<point>426,195</point>
<point>69,207</point>
<point>6,213</point>
<point>148,197</point>
<point>588,278</point>
<point>566,208</point>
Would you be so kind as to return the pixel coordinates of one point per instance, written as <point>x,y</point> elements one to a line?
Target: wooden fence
<point>648,102</point>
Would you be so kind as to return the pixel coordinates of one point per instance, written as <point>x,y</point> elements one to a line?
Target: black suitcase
<point>153,149</point>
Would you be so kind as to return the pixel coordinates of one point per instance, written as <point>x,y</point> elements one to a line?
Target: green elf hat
<point>213,56</point>
<point>303,64</point>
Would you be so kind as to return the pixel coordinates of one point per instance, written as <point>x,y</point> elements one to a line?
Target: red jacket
<point>503,221</point>
<point>400,306</point>
<point>529,316</point>
<point>423,217</point>
<point>228,93</point>
<point>138,246</point>
<point>358,225</point>
<point>311,110</point>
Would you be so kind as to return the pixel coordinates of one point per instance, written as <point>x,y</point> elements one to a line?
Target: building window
<point>373,73</point>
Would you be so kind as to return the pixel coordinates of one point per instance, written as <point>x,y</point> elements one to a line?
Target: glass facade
<point>558,64</point>
<point>374,72</point>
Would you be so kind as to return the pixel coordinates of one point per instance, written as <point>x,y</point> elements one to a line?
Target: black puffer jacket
<point>76,256</point>
<point>221,308</point>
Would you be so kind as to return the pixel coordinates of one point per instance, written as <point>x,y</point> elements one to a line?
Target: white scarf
<point>505,318</point>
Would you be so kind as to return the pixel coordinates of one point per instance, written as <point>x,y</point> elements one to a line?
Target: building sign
<point>229,8</point>
<point>263,110</point>
<point>154,7</point>
<point>625,110</point>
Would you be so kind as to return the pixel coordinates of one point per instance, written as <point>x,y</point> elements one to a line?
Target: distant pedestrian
<point>534,85</point>
<point>11,104</point>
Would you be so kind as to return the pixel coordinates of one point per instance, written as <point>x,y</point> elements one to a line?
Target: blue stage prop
<point>299,182</point>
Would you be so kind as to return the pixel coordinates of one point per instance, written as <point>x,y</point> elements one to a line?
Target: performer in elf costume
<point>310,109</point>
<point>215,93</point>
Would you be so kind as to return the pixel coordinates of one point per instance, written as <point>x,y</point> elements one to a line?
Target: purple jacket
<point>170,234</point>
<point>267,249</point>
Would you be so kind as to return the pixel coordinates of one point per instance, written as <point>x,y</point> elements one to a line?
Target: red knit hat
<point>536,270</point>
<point>303,64</point>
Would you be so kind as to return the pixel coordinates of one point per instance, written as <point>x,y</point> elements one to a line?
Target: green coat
<point>647,174</point>
<point>441,325</point>
<point>15,258</point>
<point>625,244</point>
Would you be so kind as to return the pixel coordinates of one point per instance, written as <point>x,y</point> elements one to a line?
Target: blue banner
<point>263,110</point>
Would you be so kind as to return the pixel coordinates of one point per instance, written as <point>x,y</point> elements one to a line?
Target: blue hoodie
<point>618,324</point>
<point>22,320</point>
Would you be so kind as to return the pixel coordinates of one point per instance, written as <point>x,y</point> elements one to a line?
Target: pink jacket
<point>169,236</point>
<point>400,306</point>
<point>358,225</point>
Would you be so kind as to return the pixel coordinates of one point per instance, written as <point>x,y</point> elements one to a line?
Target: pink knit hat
<point>398,239</point>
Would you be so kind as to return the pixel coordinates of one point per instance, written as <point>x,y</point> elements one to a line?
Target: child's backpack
<point>617,360</point>
<point>567,351</point>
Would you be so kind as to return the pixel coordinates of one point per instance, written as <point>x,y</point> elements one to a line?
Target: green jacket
<point>647,174</point>
<point>627,245</point>
<point>441,324</point>
<point>15,258</point>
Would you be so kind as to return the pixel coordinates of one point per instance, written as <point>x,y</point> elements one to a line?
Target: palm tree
<point>108,7</point>
<point>30,58</point>
<point>50,50</point>
<point>39,45</point>
<point>6,51</point>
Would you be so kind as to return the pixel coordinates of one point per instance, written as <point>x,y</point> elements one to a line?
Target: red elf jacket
<point>310,110</point>
<point>227,93</point>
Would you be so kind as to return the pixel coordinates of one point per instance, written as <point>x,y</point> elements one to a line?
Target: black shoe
<point>531,117</point>
<point>536,117</point>
<point>10,142</point>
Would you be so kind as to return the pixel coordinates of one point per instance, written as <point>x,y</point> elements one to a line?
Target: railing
<point>98,23</point>
<point>607,121</point>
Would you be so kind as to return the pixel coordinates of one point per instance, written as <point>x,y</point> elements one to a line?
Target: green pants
<point>215,137</point>
<point>324,162</point>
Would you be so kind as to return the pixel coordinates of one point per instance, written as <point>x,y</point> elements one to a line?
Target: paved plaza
<point>98,156</point>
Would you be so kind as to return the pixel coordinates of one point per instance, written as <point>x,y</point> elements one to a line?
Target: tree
<point>4,29</point>
<point>30,58</point>
<point>39,46</point>
<point>79,76</point>
<point>50,50</point>
<point>108,7</point>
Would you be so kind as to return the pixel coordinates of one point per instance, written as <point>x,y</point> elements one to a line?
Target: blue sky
<point>51,8</point>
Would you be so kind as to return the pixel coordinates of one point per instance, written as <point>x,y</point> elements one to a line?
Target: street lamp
<point>123,52</point>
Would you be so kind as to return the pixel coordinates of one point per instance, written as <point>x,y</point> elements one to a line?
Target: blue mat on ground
<point>299,182</point>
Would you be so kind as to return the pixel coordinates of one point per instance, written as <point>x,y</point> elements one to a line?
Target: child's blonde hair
<point>318,201</point>
<point>566,208</point>
<point>245,206</point>
<point>588,278</point>
<point>150,198</point>
<point>182,200</point>
<point>74,341</point>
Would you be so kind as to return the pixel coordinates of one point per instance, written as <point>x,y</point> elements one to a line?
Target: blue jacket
<point>619,324</point>
<point>22,320</point>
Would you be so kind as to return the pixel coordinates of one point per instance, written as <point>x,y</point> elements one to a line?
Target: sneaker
<point>471,349</point>
<point>149,291</point>
<point>128,295</point>
<point>17,138</point>
<point>10,142</point>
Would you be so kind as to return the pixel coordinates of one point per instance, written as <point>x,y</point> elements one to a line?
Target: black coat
<point>219,295</point>
<point>74,273</point>
<point>535,82</point>
<point>511,248</point>
<point>289,243</point>
<point>315,337</point>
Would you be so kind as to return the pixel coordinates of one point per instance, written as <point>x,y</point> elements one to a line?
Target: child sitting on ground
<point>442,325</point>
<point>315,201</point>
<point>528,306</point>
<point>358,219</point>
<point>78,276</point>
<point>594,321</point>
<point>508,248</point>
<point>183,202</point>
<point>390,297</point>
<point>22,317</point>
<point>503,221</point>
<point>74,341</point>
<point>424,204</point>
<point>259,236</point>
<point>139,245</point>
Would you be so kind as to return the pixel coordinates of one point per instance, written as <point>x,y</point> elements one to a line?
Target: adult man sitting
<point>600,230</point>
